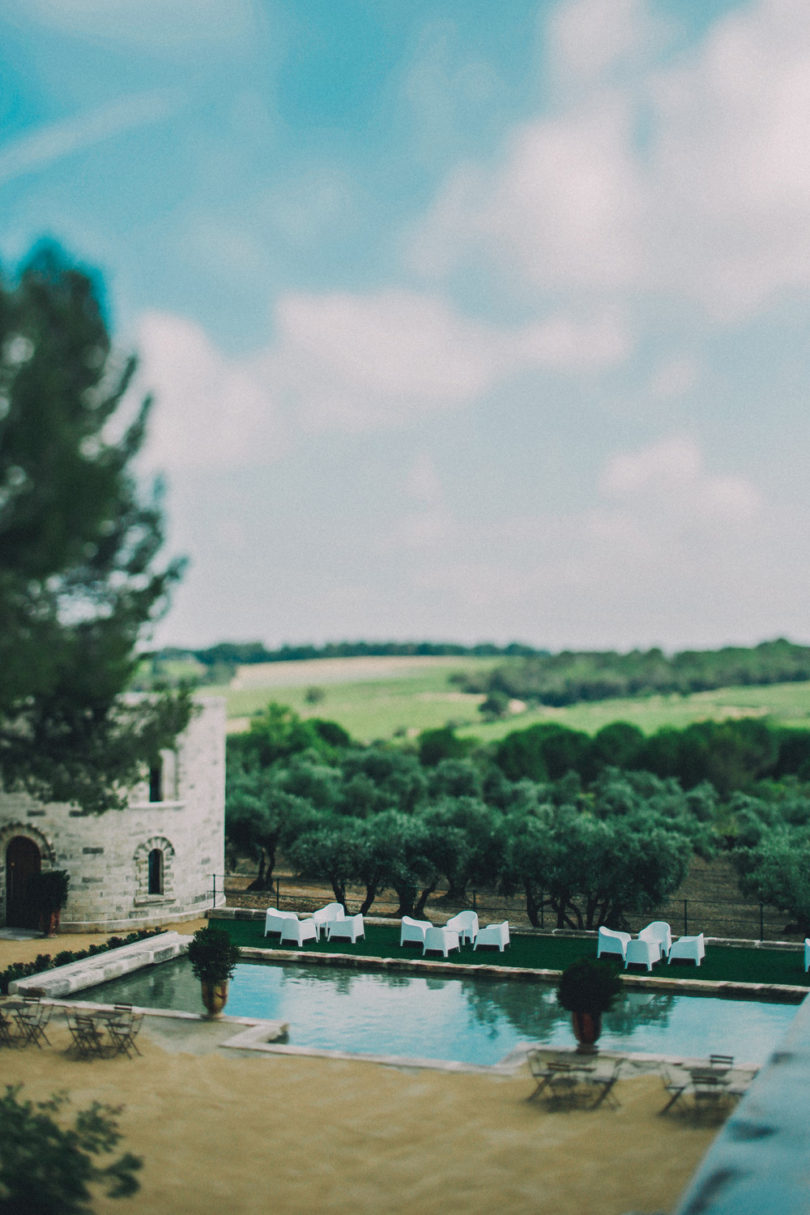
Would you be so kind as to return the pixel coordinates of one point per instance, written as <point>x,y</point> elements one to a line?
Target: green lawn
<point>721,964</point>
<point>399,697</point>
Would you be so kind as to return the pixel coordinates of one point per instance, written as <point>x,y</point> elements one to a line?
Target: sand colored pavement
<point>219,1131</point>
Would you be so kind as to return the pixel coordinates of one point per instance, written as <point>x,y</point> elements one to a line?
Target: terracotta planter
<point>587,1028</point>
<point>214,997</point>
<point>49,923</point>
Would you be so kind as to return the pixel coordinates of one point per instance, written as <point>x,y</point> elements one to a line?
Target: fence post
<point>278,894</point>
<point>214,890</point>
<point>685,918</point>
<point>761,922</point>
<point>542,910</point>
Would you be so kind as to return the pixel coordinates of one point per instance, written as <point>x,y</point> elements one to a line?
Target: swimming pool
<point>467,1020</point>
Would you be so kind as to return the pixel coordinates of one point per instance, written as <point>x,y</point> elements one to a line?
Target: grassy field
<point>383,698</point>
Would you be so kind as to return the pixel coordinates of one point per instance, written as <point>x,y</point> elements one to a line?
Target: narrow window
<point>156,782</point>
<point>156,871</point>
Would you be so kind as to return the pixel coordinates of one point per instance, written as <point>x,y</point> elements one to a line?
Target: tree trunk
<point>419,907</point>
<point>370,896</point>
<point>532,906</point>
<point>406,896</point>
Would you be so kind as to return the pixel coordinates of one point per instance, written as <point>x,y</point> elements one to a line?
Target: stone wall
<point>113,884</point>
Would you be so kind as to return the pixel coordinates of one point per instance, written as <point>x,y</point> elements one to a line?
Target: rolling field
<point>383,698</point>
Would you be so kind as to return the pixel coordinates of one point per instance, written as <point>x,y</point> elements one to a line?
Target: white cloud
<point>673,378</point>
<point>692,180</point>
<point>42,147</point>
<point>209,412</point>
<point>591,39</point>
<point>664,538</point>
<point>342,362</point>
<point>355,362</point>
<point>164,27</point>
<point>563,208</point>
<point>668,479</point>
<point>667,465</point>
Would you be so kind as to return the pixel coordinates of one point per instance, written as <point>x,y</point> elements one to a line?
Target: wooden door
<point>22,860</point>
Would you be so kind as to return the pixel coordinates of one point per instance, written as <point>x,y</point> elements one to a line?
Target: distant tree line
<point>238,653</point>
<point>584,845</point>
<point>572,676</point>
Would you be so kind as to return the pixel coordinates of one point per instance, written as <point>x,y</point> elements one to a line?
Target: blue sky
<point>466,322</point>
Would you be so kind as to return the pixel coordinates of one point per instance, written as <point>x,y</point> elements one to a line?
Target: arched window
<point>156,871</point>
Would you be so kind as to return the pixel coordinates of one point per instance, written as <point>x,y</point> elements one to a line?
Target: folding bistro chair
<point>7,1038</point>
<point>124,1030</point>
<point>32,1019</point>
<point>87,1040</point>
<point>604,1082</point>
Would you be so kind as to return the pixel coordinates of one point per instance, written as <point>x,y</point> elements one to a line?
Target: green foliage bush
<point>48,1167</point>
<point>589,985</point>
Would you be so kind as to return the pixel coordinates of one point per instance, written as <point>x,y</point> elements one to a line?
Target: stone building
<point>148,864</point>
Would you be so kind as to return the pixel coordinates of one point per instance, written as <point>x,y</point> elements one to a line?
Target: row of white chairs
<point>330,920</point>
<point>460,929</point>
<point>333,922</point>
<point>650,945</point>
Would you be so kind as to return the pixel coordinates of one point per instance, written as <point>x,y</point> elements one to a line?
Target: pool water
<point>467,1020</point>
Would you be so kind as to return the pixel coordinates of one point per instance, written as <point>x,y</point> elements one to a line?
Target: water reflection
<point>470,1020</point>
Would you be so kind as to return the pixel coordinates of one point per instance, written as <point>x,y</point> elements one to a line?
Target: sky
<point>464,321</point>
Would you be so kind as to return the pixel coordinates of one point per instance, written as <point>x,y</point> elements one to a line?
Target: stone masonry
<point>145,865</point>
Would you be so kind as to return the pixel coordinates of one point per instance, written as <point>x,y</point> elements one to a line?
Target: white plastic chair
<point>494,934</point>
<point>658,931</point>
<point>274,920</point>
<point>465,924</point>
<point>807,953</point>
<point>413,930</point>
<point>324,915</point>
<point>691,948</point>
<point>610,941</point>
<point>440,940</point>
<point>295,932</point>
<point>347,929</point>
<point>642,953</point>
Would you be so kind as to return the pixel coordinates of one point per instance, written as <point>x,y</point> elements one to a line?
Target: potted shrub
<point>587,988</point>
<point>47,893</point>
<point>213,957</point>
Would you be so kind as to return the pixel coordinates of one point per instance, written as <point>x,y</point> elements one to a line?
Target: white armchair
<point>440,940</point>
<point>413,931</point>
<point>295,932</point>
<point>658,931</point>
<point>324,915</point>
<point>347,929</point>
<point>693,949</point>
<point>465,924</point>
<point>494,934</point>
<point>642,953</point>
<point>274,920</point>
<point>611,941</point>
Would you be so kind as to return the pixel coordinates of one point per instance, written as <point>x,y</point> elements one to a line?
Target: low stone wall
<point>65,980</point>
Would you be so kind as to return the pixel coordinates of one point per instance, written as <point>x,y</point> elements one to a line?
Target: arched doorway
<point>22,860</point>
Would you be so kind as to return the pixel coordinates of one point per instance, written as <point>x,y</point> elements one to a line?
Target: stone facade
<point>149,864</point>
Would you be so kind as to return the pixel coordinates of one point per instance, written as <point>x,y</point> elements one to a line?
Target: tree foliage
<point>79,543</point>
<point>50,1167</point>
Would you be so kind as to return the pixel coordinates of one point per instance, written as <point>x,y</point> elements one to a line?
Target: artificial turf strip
<point>722,963</point>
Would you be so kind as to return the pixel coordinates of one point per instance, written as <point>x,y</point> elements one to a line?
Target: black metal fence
<point>727,918</point>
